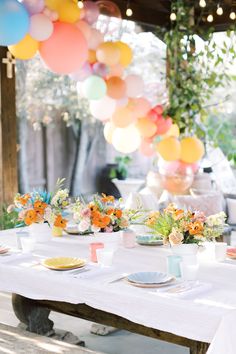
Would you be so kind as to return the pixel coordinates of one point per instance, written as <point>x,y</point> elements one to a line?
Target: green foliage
<point>8,220</point>
<point>121,171</point>
<point>194,74</point>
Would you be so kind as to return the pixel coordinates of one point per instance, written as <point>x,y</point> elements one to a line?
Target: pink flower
<point>108,229</point>
<point>86,213</point>
<point>84,225</point>
<point>21,214</point>
<point>199,216</point>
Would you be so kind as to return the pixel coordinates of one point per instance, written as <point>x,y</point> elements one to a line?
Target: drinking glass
<point>189,271</point>
<point>173,265</point>
<point>93,248</point>
<point>28,244</point>
<point>128,238</point>
<point>105,257</point>
<point>220,251</point>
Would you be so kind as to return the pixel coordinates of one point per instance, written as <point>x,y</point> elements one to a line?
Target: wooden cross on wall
<point>10,62</point>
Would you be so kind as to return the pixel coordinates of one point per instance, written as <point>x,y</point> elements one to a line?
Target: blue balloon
<point>14,22</point>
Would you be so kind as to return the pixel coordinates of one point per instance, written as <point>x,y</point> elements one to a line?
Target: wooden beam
<point>8,133</point>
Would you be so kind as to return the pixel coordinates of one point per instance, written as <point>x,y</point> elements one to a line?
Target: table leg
<point>199,348</point>
<point>35,318</point>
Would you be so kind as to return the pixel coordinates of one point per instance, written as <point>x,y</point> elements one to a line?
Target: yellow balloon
<point>108,131</point>
<point>173,131</point>
<point>25,49</point>
<point>68,11</point>
<point>108,53</point>
<point>126,54</point>
<point>192,149</point>
<point>53,4</point>
<point>146,127</point>
<point>169,148</point>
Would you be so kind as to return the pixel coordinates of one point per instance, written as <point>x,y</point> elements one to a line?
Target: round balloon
<point>126,54</point>
<point>116,87</point>
<point>66,50</point>
<point>163,124</point>
<point>95,39</point>
<point>53,4</point>
<point>82,73</point>
<point>135,85</point>
<point>116,70</point>
<point>184,167</point>
<point>146,148</point>
<point>103,109</point>
<point>108,8</point>
<point>94,87</point>
<point>84,28</point>
<point>169,148</point>
<point>108,53</point>
<point>68,11</point>
<point>34,6</point>
<point>146,127</point>
<point>91,12</point>
<point>14,22</point>
<point>100,69</point>
<point>140,106</point>
<point>41,27</point>
<point>122,102</point>
<point>92,56</point>
<point>108,131</point>
<point>192,149</point>
<point>173,131</point>
<point>25,49</point>
<point>158,109</point>
<point>126,140</point>
<point>122,117</point>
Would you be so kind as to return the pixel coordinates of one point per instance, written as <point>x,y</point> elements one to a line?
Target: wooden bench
<point>18,341</point>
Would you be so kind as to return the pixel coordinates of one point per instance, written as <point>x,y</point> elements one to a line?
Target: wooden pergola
<point>151,12</point>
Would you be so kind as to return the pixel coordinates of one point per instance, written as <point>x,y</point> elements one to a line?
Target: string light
<point>232,15</point>
<point>202,3</point>
<point>80,4</point>
<point>210,18</point>
<point>173,16</point>
<point>219,10</point>
<point>129,11</point>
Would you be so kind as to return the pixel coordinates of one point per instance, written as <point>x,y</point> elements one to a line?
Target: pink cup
<point>93,247</point>
<point>128,238</point>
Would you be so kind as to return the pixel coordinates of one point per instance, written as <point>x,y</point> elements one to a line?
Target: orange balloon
<point>146,127</point>
<point>116,87</point>
<point>108,53</point>
<point>126,55</point>
<point>192,149</point>
<point>92,56</point>
<point>169,149</point>
<point>122,117</point>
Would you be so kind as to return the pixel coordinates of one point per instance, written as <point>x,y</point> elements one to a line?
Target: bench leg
<point>199,348</point>
<point>36,320</point>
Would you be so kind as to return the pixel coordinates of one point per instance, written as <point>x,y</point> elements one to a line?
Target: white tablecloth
<point>201,317</point>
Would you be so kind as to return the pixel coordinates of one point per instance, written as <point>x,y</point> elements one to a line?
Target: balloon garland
<point>64,36</point>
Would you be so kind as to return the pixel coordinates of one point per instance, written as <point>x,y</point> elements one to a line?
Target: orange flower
<point>118,213</point>
<point>93,207</point>
<point>24,199</point>
<point>195,228</point>
<point>30,217</point>
<point>101,221</point>
<point>107,198</point>
<point>40,207</point>
<point>110,211</point>
<point>178,214</point>
<point>60,222</point>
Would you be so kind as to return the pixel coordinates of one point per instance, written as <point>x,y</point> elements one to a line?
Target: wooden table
<point>34,314</point>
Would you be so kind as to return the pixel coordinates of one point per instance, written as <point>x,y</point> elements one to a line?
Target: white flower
<point>95,228</point>
<point>176,237</point>
<point>84,225</point>
<point>60,198</point>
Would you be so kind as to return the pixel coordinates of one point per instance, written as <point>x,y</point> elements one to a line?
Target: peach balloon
<point>146,148</point>
<point>96,38</point>
<point>192,149</point>
<point>108,53</point>
<point>122,117</point>
<point>116,87</point>
<point>126,55</point>
<point>84,28</point>
<point>135,85</point>
<point>169,149</point>
<point>173,131</point>
<point>108,131</point>
<point>115,70</point>
<point>66,50</point>
<point>92,56</point>
<point>163,124</point>
<point>140,106</point>
<point>146,127</point>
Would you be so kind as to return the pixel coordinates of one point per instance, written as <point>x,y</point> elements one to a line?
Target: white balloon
<point>134,85</point>
<point>102,109</point>
<point>126,140</point>
<point>41,28</point>
<point>108,131</point>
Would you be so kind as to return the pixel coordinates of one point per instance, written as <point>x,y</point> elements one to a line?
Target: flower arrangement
<point>178,226</point>
<point>41,206</point>
<point>102,214</point>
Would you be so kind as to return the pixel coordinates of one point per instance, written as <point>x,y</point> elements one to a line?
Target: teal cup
<point>173,265</point>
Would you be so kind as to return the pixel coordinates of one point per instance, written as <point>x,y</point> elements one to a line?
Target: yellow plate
<point>63,263</point>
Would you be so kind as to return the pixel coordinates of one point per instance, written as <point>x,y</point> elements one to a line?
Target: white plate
<point>149,278</point>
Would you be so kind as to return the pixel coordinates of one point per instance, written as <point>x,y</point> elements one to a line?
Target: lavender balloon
<point>34,6</point>
<point>91,12</point>
<point>100,69</point>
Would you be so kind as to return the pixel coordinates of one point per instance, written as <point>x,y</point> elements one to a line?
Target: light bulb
<point>210,18</point>
<point>219,10</point>
<point>173,16</point>
<point>129,12</point>
<point>202,3</point>
<point>80,4</point>
<point>232,15</point>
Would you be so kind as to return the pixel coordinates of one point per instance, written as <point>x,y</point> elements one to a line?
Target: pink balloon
<point>66,50</point>
<point>100,69</point>
<point>146,148</point>
<point>140,106</point>
<point>95,39</point>
<point>41,27</point>
<point>34,6</point>
<point>135,85</point>
<point>168,168</point>
<point>152,115</point>
<point>163,125</point>
<point>84,28</point>
<point>158,109</point>
<point>185,167</point>
<point>91,12</point>
<point>83,73</point>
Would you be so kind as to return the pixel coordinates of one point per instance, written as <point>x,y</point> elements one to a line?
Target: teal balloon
<point>14,22</point>
<point>94,87</point>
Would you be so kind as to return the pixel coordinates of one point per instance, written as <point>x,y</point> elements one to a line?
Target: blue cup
<point>173,265</point>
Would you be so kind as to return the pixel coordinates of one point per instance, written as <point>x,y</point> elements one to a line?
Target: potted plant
<point>120,170</point>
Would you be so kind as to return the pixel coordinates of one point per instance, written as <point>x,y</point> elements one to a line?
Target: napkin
<point>185,289</point>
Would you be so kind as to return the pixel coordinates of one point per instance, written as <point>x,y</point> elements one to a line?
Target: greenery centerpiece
<point>120,171</point>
